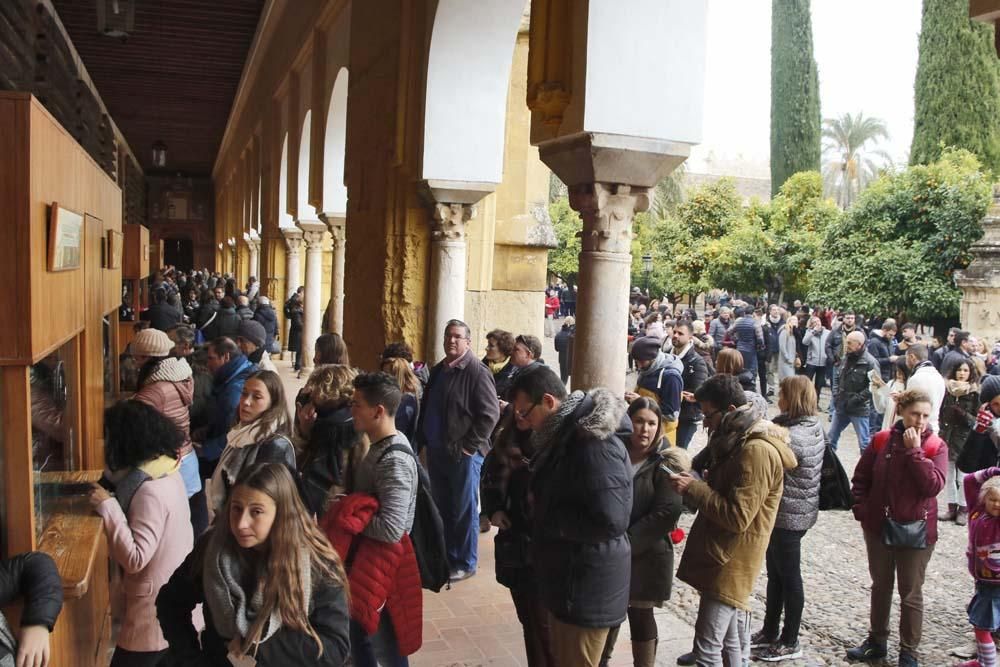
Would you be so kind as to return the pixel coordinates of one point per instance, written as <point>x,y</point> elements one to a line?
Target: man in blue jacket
<point>230,369</point>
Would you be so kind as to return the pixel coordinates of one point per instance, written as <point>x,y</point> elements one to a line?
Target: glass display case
<point>54,428</point>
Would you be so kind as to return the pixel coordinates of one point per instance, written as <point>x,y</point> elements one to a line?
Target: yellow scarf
<point>497,366</point>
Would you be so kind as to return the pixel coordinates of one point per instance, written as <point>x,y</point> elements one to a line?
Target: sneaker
<point>686,659</point>
<point>761,639</point>
<point>780,651</point>
<point>907,659</point>
<point>461,575</point>
<point>869,651</point>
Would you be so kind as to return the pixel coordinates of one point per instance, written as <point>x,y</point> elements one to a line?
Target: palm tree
<point>668,193</point>
<point>852,159</point>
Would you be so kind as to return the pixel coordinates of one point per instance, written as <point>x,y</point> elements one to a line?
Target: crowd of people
<point>307,534</point>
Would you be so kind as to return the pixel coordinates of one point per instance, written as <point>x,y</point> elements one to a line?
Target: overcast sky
<point>866,51</point>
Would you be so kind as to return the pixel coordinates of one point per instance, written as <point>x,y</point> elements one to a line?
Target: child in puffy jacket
<point>982,495</point>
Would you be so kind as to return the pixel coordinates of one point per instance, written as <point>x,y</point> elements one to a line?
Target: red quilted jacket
<point>379,573</point>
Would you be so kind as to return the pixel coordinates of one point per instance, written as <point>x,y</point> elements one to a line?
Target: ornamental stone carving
<point>607,210</point>
<point>450,221</point>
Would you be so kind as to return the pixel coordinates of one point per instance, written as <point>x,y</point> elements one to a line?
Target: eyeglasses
<point>709,415</point>
<point>524,415</point>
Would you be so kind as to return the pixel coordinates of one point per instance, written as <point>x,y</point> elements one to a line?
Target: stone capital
<point>293,238</point>
<point>450,221</point>
<point>607,210</point>
<point>313,232</point>
<point>337,224</point>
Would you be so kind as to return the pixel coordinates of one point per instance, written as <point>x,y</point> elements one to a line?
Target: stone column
<point>313,232</point>
<point>254,246</point>
<point>447,289</point>
<point>605,265</point>
<point>336,222</point>
<point>293,239</point>
<point>980,281</point>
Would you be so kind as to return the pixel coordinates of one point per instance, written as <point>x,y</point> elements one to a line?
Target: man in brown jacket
<point>737,502</point>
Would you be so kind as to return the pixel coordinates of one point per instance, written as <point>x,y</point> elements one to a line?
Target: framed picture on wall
<point>65,238</point>
<point>116,241</point>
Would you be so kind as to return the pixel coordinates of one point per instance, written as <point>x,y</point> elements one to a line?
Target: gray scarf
<point>7,643</point>
<point>233,612</point>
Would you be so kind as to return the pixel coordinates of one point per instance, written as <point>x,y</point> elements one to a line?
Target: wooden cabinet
<point>135,263</point>
<point>56,353</point>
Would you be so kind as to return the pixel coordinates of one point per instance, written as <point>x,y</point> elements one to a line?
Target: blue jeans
<point>379,649</point>
<point>685,432</point>
<point>455,487</point>
<point>840,422</point>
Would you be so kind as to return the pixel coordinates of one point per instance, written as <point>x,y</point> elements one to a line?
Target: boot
<point>950,514</point>
<point>644,653</point>
<point>962,517</point>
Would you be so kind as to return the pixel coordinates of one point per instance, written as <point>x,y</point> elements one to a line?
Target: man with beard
<point>737,505</point>
<point>661,379</point>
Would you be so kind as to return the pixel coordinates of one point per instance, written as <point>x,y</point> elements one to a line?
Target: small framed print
<point>65,238</point>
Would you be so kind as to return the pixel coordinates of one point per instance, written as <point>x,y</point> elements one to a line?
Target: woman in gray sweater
<point>797,514</point>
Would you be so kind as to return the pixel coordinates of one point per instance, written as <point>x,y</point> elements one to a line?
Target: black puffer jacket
<point>800,499</point>
<point>582,487</point>
<point>32,576</point>
<point>268,318</point>
<point>655,510</point>
<point>695,373</point>
<point>226,323</point>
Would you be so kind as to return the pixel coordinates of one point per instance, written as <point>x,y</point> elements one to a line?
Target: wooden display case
<point>56,357</point>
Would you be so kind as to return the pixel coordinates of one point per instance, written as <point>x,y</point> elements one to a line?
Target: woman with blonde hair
<point>409,406</point>
<point>273,589</point>
<point>332,447</point>
<point>797,513</point>
<point>730,362</point>
<point>788,349</point>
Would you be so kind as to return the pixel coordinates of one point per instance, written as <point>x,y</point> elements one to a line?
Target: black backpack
<point>427,534</point>
<point>834,486</point>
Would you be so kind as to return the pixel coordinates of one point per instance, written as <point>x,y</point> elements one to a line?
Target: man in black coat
<point>962,350</point>
<point>938,355</point>
<point>852,396</point>
<point>161,314</point>
<point>564,346</point>
<point>268,317</point>
<point>582,489</point>
<point>695,373</point>
<point>226,322</point>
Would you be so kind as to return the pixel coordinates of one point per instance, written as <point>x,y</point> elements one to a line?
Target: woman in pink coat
<point>147,521</point>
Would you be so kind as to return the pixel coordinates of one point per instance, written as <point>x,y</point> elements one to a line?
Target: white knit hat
<point>151,343</point>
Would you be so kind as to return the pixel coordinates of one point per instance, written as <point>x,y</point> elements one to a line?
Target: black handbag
<point>904,534</point>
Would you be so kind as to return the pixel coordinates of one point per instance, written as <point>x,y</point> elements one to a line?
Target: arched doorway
<point>179,253</point>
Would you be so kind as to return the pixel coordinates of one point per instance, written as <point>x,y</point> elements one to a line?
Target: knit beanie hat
<point>646,348</point>
<point>152,343</point>
<point>989,388</point>
<point>252,331</point>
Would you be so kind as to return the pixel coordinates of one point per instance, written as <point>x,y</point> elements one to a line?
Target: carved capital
<point>293,239</point>
<point>337,224</point>
<point>314,239</point>
<point>450,220</point>
<point>607,210</point>
<point>549,99</point>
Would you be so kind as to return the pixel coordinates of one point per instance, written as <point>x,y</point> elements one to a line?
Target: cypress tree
<point>957,89</point>
<point>795,114</point>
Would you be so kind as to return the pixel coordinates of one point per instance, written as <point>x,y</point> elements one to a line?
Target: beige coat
<point>736,512</point>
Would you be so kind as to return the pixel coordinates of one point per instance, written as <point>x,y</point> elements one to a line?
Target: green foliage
<point>564,259</point>
<point>897,249</point>
<point>795,111</point>
<point>957,89</point>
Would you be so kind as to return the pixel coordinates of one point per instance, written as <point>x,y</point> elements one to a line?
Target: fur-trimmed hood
<point>600,414</point>
<point>777,437</point>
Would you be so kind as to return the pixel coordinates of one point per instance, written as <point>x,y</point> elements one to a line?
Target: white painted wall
<point>305,210</point>
<point>468,72</point>
<point>646,68</point>
<point>334,190</point>
<point>284,219</point>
